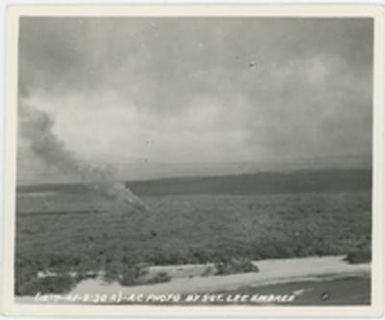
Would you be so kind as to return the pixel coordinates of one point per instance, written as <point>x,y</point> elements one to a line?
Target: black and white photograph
<point>194,161</point>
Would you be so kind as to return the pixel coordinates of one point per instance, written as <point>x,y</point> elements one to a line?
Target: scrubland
<point>74,230</point>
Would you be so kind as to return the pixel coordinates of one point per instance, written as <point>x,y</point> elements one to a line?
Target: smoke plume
<point>36,128</point>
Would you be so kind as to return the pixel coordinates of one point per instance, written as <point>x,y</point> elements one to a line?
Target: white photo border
<point>14,12</point>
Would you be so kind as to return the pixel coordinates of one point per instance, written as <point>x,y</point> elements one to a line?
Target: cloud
<point>217,89</point>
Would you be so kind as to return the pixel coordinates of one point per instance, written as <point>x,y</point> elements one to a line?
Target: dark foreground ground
<point>64,228</point>
<point>346,291</point>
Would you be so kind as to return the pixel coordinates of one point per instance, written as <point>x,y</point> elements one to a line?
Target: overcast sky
<point>191,90</point>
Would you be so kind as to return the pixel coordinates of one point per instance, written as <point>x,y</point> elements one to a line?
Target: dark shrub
<point>235,265</point>
<point>130,276</point>
<point>137,276</point>
<point>208,271</point>
<point>157,278</point>
<point>48,285</point>
<point>359,256</point>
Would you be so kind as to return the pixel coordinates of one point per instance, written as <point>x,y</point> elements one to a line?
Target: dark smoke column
<point>36,127</point>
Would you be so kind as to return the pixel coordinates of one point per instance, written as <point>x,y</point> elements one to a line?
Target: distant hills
<point>32,171</point>
<point>141,170</point>
<point>259,183</point>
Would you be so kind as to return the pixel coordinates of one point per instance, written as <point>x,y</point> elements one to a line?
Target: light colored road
<point>271,271</point>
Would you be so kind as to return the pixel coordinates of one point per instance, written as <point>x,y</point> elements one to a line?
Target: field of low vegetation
<point>64,229</point>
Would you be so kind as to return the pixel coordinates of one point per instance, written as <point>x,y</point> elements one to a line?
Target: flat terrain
<point>70,228</point>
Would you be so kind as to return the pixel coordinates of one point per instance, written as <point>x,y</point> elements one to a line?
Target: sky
<point>201,89</point>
